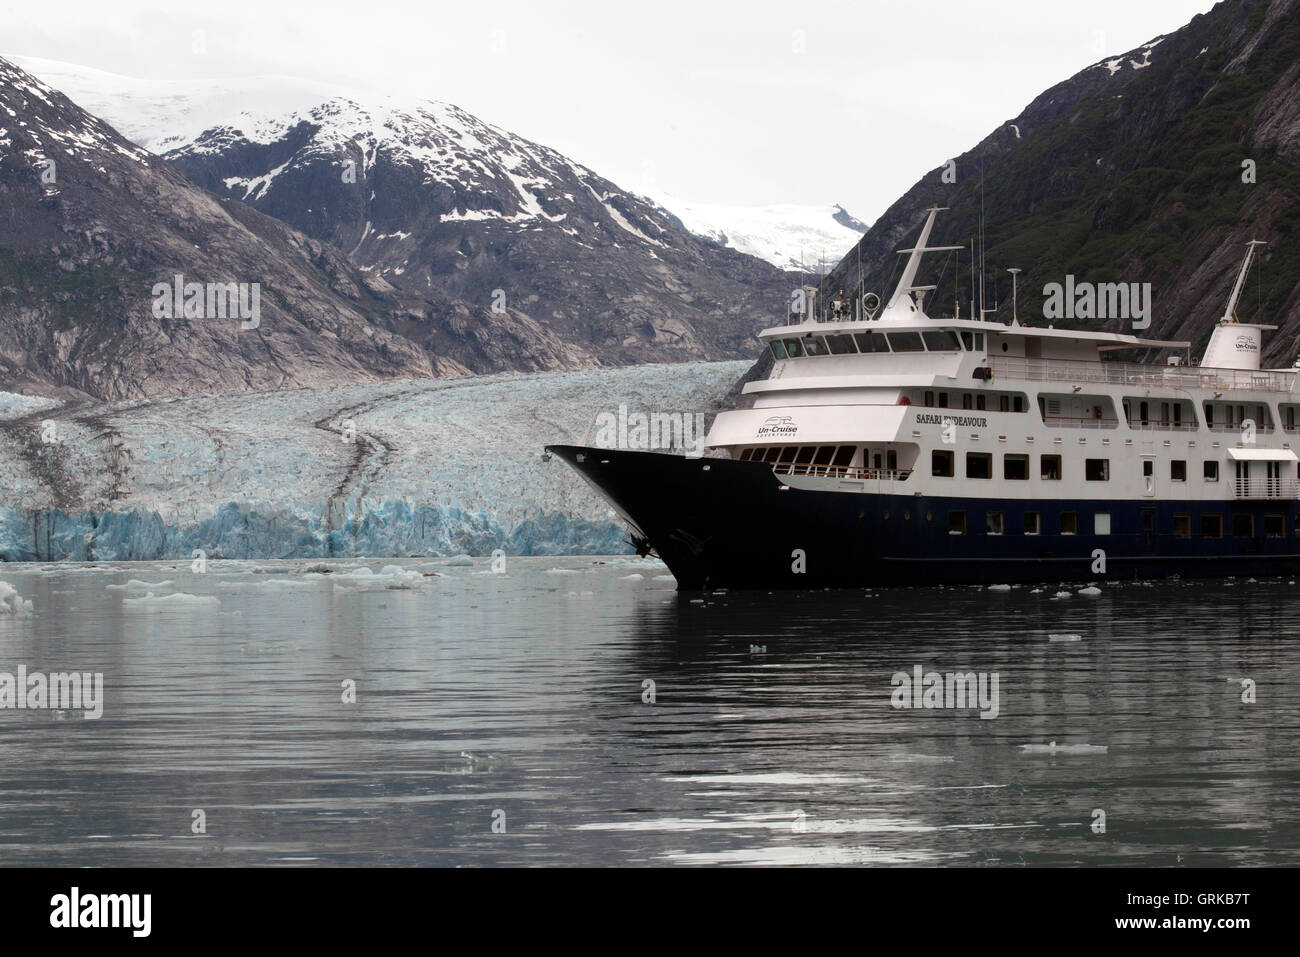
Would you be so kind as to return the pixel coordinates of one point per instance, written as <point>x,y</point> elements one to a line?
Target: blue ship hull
<point>722,523</point>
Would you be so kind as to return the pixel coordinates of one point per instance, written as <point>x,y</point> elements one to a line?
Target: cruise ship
<point>891,448</point>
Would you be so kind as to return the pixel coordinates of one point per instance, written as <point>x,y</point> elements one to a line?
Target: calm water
<point>771,738</point>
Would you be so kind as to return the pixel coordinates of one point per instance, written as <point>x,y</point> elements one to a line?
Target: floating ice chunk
<point>1090,590</point>
<point>1062,594</point>
<point>135,584</point>
<point>634,577</point>
<point>12,603</point>
<point>924,758</point>
<point>1065,637</point>
<point>459,561</point>
<point>1055,748</point>
<point>999,588</point>
<point>563,571</point>
<point>178,599</point>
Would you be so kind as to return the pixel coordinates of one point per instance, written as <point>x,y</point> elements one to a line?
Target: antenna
<point>1014,273</point>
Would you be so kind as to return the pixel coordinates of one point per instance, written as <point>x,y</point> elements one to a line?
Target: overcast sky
<point>739,102</point>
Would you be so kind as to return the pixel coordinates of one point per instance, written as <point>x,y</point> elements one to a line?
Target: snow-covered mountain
<point>432,200</point>
<point>168,115</point>
<point>787,235</point>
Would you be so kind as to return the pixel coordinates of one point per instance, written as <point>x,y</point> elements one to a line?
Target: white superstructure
<point>967,408</point>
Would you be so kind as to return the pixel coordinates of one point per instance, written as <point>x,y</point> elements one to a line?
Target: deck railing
<point>1138,374</point>
<point>837,471</point>
<point>1266,488</point>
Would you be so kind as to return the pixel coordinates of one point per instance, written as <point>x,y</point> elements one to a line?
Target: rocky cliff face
<point>93,227</point>
<point>1154,166</point>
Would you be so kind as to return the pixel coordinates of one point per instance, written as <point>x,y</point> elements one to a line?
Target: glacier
<point>406,468</point>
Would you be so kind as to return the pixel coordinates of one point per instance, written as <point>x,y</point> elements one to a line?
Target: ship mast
<point>905,287</point>
<point>1229,314</point>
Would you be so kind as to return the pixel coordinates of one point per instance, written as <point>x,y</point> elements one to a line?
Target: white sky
<point>709,101</point>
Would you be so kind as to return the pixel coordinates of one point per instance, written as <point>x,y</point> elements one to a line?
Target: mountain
<point>92,228</point>
<point>1132,171</point>
<point>789,236</point>
<point>435,202</point>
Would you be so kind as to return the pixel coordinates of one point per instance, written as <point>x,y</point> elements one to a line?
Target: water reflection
<point>522,700</point>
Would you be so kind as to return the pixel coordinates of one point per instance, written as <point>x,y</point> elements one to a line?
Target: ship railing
<point>1158,425</point>
<point>1228,427</point>
<point>1267,488</point>
<point>837,471</point>
<point>1140,374</point>
<point>1081,422</point>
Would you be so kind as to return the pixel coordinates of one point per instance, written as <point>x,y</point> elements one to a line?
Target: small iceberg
<point>1090,590</point>
<point>12,603</point>
<point>1065,637</point>
<point>1054,748</point>
<point>999,588</point>
<point>178,599</point>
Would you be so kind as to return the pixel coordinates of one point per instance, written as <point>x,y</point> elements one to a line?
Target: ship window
<point>1274,526</point>
<point>1101,523</point>
<point>966,400</point>
<point>1004,403</point>
<point>968,340</point>
<point>778,349</point>
<point>941,463</point>
<point>979,465</point>
<point>1018,403</point>
<point>746,453</point>
<point>788,453</point>
<point>1211,471</point>
<point>841,345</point>
<point>1148,468</point>
<point>1096,470</point>
<point>793,349</point>
<point>1182,526</point>
<point>1069,523</point>
<point>814,346</point>
<point>979,341</point>
<point>1049,467</point>
<point>773,454</point>
<point>1211,526</point>
<point>979,401</point>
<point>906,342</point>
<point>805,455</point>
<point>1209,415</point>
<point>940,341</point>
<point>1033,523</point>
<point>943,400</point>
<point>1178,471</point>
<point>844,456</point>
<point>956,523</point>
<point>929,400</point>
<point>824,455</point>
<point>1243,525</point>
<point>863,339</point>
<point>1015,468</point>
<point>993,523</point>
